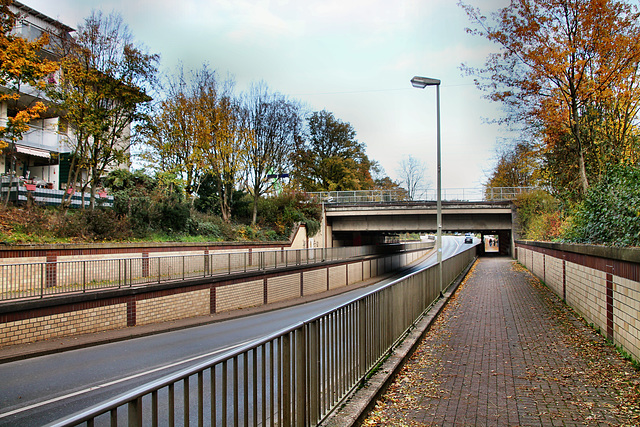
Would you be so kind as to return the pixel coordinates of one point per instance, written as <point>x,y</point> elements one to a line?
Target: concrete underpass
<point>354,224</point>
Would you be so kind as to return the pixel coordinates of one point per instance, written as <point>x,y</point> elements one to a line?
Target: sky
<point>354,58</point>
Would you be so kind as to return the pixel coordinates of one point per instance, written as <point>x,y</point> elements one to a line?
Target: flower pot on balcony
<point>30,187</point>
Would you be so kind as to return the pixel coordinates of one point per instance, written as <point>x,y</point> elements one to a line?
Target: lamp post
<point>421,83</point>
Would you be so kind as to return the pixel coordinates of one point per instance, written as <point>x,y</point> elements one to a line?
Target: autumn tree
<point>275,124</point>
<point>171,134</point>
<point>22,67</point>
<point>517,165</point>
<point>330,158</point>
<point>223,137</point>
<point>103,91</point>
<point>412,173</point>
<point>568,69</point>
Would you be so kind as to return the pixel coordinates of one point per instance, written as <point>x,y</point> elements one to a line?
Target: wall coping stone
<point>629,254</point>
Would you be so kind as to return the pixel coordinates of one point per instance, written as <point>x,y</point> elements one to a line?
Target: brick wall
<point>337,276</point>
<point>63,324</point>
<point>239,295</point>
<point>601,284</point>
<point>314,281</point>
<point>172,307</point>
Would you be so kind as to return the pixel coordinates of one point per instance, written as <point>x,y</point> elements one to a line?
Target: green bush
<point>539,215</point>
<point>94,225</point>
<point>610,211</point>
<point>282,212</point>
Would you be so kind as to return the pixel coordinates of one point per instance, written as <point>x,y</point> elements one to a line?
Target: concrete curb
<point>361,401</point>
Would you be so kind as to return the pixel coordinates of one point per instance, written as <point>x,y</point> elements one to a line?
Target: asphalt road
<point>40,390</point>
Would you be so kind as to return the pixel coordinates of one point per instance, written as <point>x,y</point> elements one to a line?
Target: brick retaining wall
<point>602,284</point>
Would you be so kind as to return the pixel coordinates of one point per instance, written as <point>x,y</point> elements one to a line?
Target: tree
<point>275,124</point>
<point>412,173</point>
<point>330,158</point>
<point>102,93</point>
<point>171,132</point>
<point>21,66</point>
<point>223,144</point>
<point>561,61</point>
<point>517,166</point>
<point>202,130</point>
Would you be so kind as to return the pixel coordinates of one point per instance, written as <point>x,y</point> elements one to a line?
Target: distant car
<point>468,238</point>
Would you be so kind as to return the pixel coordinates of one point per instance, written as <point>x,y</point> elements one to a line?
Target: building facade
<point>42,156</point>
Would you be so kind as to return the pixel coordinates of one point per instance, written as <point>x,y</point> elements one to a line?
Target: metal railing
<point>448,194</point>
<point>359,196</point>
<point>296,376</point>
<point>46,279</point>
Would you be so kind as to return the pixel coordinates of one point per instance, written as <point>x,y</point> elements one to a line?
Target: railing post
<point>301,377</point>
<point>135,413</point>
<point>286,380</point>
<point>313,367</point>
<point>42,279</point>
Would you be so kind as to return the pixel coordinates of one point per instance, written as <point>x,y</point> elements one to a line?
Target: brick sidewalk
<point>508,352</point>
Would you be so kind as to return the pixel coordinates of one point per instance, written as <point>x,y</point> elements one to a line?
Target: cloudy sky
<point>354,58</point>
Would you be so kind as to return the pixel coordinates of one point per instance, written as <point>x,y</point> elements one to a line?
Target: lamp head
<point>422,82</point>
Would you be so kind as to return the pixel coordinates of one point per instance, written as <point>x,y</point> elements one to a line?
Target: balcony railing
<point>24,193</point>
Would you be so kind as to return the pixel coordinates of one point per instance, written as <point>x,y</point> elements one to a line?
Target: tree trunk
<point>255,208</point>
<point>583,172</point>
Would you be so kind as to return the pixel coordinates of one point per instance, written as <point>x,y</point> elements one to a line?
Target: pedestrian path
<point>507,352</point>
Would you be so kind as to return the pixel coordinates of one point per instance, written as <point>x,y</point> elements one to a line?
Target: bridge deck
<point>507,351</point>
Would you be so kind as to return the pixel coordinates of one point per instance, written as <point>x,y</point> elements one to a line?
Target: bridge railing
<point>47,279</point>
<point>448,194</point>
<point>293,377</point>
<point>359,196</point>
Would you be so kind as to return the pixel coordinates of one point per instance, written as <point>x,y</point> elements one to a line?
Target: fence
<point>448,194</point>
<point>359,196</point>
<point>46,279</point>
<point>296,376</point>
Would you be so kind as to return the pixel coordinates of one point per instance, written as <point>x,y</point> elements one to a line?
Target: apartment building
<point>42,156</point>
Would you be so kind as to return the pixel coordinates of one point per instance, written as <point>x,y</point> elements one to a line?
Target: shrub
<point>539,215</point>
<point>289,208</point>
<point>98,224</point>
<point>610,211</point>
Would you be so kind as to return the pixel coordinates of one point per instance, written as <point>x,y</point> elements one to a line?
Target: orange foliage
<point>567,67</point>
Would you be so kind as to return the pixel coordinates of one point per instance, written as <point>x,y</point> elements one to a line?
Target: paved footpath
<point>507,352</point>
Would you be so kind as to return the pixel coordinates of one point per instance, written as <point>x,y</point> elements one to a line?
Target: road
<point>40,390</point>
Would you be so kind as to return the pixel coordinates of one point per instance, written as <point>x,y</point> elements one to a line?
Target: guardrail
<point>448,194</point>
<point>46,279</point>
<point>296,376</point>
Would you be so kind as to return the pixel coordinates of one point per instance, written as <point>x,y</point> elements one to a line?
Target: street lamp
<point>421,83</point>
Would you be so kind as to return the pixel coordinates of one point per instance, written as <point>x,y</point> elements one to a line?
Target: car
<point>468,238</point>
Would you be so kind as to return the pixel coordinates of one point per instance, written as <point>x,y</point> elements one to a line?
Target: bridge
<point>362,223</point>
